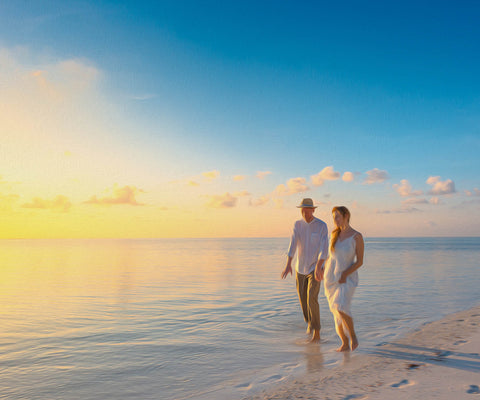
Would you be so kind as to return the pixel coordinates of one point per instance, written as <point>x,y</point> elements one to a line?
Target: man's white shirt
<point>310,241</point>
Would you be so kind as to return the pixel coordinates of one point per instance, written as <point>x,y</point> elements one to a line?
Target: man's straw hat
<point>306,203</point>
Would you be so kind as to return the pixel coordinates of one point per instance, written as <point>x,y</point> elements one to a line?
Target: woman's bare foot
<point>343,347</point>
<point>354,343</point>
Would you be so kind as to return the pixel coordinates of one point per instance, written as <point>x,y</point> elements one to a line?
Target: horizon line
<point>221,237</point>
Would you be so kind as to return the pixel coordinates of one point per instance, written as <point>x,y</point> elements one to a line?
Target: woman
<point>341,276</point>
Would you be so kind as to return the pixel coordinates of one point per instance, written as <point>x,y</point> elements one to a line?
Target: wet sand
<point>440,360</point>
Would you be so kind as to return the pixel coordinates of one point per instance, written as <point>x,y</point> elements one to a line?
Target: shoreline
<point>440,359</point>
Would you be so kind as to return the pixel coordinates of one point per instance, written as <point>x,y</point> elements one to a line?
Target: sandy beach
<point>439,360</point>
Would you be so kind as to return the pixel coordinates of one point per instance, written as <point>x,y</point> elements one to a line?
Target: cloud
<point>59,203</point>
<point>121,195</point>
<point>263,174</point>
<point>414,201</point>
<point>225,200</point>
<point>326,174</point>
<point>293,186</point>
<point>440,187</point>
<point>402,210</point>
<point>238,178</point>
<point>405,189</point>
<point>260,201</point>
<point>192,183</point>
<point>376,176</point>
<point>211,175</point>
<point>79,73</point>
<point>435,201</point>
<point>475,192</point>
<point>43,98</point>
<point>348,176</point>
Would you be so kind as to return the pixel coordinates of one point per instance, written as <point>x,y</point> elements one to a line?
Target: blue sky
<point>286,87</point>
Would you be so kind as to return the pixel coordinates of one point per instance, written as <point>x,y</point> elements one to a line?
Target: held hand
<point>286,271</point>
<point>319,274</point>
<point>343,278</point>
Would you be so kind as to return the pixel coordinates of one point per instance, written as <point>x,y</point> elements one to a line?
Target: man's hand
<point>319,274</point>
<point>286,271</point>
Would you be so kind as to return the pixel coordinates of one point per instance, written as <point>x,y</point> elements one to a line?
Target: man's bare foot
<point>309,330</point>
<point>316,336</point>
<point>343,347</point>
<point>354,344</point>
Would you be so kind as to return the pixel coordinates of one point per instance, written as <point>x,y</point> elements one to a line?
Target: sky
<point>214,119</point>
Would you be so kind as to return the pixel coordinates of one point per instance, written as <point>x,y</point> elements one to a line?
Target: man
<point>310,241</point>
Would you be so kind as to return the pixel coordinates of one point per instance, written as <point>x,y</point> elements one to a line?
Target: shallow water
<point>204,318</point>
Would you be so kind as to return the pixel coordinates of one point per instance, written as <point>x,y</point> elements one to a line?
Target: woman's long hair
<point>346,214</point>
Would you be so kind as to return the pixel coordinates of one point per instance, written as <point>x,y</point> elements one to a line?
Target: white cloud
<point>238,178</point>
<point>293,186</point>
<point>404,189</point>
<point>263,174</point>
<point>376,176</point>
<point>225,200</point>
<point>435,201</point>
<point>348,176</point>
<point>326,174</point>
<point>440,187</point>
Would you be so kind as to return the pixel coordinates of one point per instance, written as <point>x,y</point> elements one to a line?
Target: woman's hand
<point>343,277</point>
<point>319,274</point>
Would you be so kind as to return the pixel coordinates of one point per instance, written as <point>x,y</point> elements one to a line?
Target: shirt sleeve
<point>293,242</point>
<point>323,254</point>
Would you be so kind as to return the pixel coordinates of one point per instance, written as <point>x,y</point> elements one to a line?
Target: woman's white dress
<point>339,295</point>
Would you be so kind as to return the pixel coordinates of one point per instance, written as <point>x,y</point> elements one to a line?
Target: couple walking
<point>336,264</point>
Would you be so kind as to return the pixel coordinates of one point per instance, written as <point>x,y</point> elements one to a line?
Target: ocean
<point>200,318</point>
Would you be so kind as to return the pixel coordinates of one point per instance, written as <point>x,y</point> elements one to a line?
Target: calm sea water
<point>199,319</point>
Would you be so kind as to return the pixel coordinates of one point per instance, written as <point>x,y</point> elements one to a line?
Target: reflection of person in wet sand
<point>310,242</point>
<point>341,275</point>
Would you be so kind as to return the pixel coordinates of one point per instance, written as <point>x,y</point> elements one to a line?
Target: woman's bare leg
<point>341,334</point>
<point>351,329</point>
